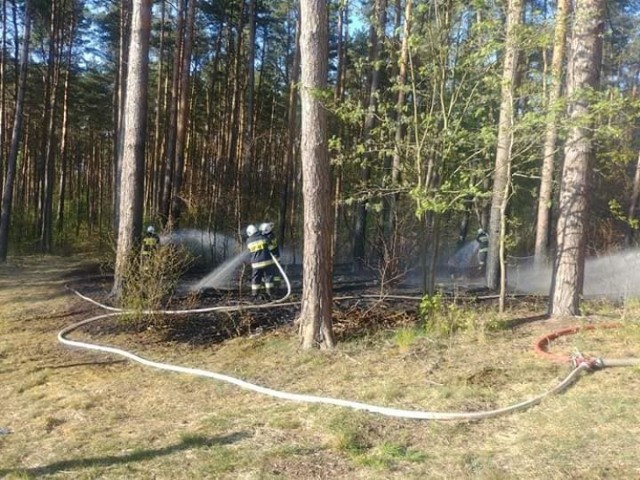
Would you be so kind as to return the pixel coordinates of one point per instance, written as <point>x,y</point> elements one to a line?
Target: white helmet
<point>251,229</point>
<point>266,227</point>
<point>480,231</point>
<point>151,229</point>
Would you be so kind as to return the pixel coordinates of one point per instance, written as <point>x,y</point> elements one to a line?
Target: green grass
<point>78,414</point>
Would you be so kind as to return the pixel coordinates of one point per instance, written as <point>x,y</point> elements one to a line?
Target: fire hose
<point>541,347</point>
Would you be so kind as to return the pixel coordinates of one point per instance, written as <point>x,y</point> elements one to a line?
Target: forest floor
<point>73,413</point>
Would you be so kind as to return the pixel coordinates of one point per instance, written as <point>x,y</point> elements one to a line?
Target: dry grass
<point>78,414</point>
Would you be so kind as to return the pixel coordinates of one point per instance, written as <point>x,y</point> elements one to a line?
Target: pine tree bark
<point>119,97</point>
<point>315,317</point>
<point>45,226</point>
<point>583,70</point>
<point>235,88</point>
<point>64,137</point>
<point>154,190</point>
<point>172,128</point>
<point>3,96</point>
<point>247,124</point>
<point>134,129</point>
<point>183,113</point>
<point>292,136</point>
<point>7,191</point>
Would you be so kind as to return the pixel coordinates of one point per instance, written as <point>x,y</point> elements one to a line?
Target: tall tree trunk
<point>183,112</point>
<point>400,125</point>
<point>158,136</point>
<point>7,191</point>
<point>583,70</point>
<point>64,140</point>
<point>292,136</point>
<point>135,126</point>
<point>633,203</point>
<point>341,52</point>
<point>53,74</point>
<point>247,133</point>
<point>232,127</point>
<point>376,38</point>
<point>503,155</point>
<point>119,99</point>
<point>339,93</point>
<point>315,316</point>
<point>551,133</point>
<point>170,152</point>
<point>3,96</point>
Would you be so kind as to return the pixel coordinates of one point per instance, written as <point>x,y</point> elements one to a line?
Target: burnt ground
<point>360,309</point>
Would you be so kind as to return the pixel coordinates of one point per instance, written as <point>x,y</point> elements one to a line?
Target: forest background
<point>414,97</point>
<point>443,116</point>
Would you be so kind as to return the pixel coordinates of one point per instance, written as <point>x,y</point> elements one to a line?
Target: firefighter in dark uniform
<point>267,230</point>
<point>261,261</point>
<point>483,248</point>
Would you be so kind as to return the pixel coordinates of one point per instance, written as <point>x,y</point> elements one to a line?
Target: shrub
<point>443,318</point>
<point>150,280</point>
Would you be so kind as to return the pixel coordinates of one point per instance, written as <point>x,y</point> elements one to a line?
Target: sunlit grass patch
<point>33,380</point>
<point>285,420</point>
<point>386,454</point>
<point>404,338</point>
<point>350,433</point>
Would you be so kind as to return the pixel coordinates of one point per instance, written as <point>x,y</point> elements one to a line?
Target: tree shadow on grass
<point>187,443</point>
<point>517,322</point>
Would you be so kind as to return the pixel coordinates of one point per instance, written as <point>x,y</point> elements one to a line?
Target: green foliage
<point>618,213</point>
<point>150,280</point>
<point>443,318</point>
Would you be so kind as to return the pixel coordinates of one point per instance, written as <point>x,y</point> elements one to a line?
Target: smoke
<point>615,275</point>
<point>207,248</point>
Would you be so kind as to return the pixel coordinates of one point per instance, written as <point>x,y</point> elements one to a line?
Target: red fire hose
<point>543,343</point>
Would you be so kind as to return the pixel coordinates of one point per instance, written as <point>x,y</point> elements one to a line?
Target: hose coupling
<point>577,360</point>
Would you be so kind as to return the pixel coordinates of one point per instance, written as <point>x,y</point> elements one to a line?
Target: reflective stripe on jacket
<point>258,247</point>
<point>483,241</point>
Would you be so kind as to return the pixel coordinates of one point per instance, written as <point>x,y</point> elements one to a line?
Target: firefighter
<point>267,231</point>
<point>150,242</point>
<point>482,238</point>
<point>261,261</point>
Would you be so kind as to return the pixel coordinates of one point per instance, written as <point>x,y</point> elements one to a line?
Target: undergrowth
<point>442,317</point>
<point>150,280</point>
